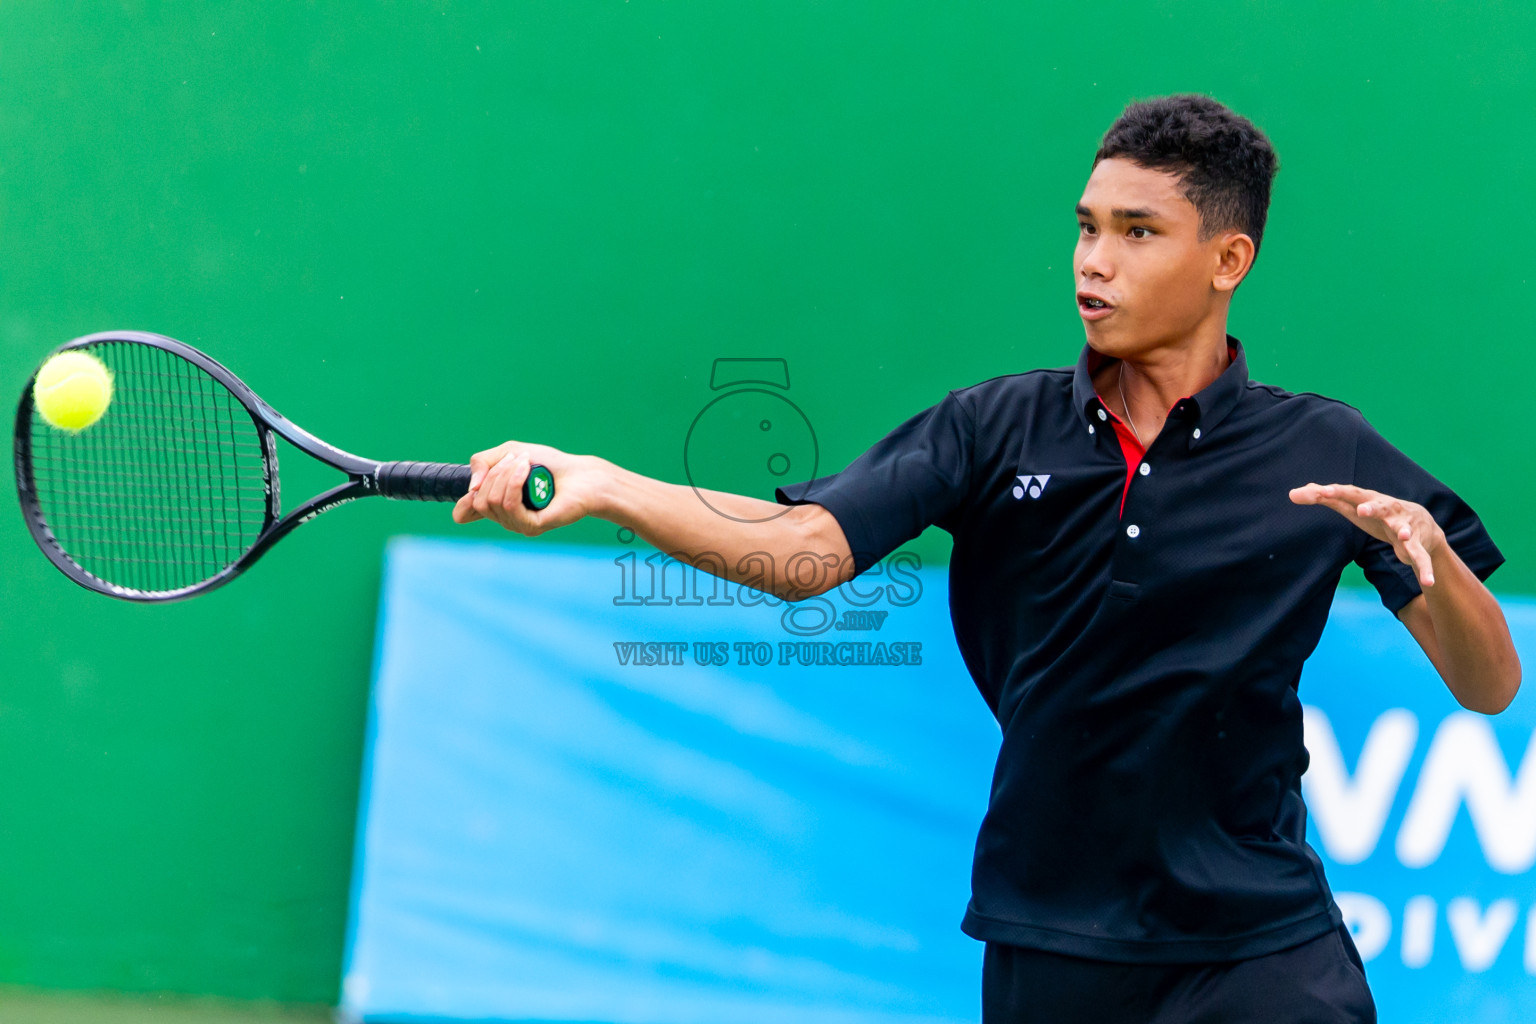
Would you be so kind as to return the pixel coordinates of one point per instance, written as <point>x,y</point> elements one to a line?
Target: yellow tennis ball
<point>72,390</point>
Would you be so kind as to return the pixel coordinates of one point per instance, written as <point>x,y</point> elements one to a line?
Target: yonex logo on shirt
<point>1034,484</point>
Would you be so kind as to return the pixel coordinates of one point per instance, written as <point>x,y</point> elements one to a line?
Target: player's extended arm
<point>807,553</point>
<point>1456,620</point>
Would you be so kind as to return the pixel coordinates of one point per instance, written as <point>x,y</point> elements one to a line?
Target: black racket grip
<point>423,481</point>
<point>445,481</point>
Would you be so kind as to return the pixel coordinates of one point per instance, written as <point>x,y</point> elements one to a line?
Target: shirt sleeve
<point>1381,467</point>
<point>916,476</point>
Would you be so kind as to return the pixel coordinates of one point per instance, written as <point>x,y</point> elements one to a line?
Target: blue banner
<point>1425,817</point>
<point>604,786</point>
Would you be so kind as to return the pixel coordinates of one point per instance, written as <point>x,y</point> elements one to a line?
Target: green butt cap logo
<point>539,488</point>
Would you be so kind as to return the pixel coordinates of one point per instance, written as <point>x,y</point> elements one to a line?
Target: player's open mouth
<point>1093,308</point>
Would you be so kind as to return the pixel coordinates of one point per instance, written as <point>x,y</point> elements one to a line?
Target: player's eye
<point>1085,226</point>
<point>1140,228</point>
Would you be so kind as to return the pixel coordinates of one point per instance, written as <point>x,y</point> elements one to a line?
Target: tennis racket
<point>174,491</point>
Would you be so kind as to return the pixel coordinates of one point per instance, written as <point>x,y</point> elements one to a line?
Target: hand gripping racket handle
<point>445,481</point>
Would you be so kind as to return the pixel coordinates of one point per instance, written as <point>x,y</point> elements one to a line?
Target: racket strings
<point>167,489</point>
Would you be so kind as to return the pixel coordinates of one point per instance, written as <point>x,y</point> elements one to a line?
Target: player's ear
<point>1234,257</point>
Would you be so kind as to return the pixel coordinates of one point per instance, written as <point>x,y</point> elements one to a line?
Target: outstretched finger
<point>1348,509</point>
<point>1350,493</point>
<point>1421,561</point>
<point>1339,497</point>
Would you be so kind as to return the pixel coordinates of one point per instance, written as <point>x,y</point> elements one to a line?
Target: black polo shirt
<point>1142,661</point>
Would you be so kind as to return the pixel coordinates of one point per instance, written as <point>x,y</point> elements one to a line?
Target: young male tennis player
<point>1146,546</point>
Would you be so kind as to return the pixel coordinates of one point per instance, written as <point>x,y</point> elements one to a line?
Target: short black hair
<point>1225,164</point>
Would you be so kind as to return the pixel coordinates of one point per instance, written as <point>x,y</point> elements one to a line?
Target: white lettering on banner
<point>1480,935</point>
<point>1369,922</point>
<point>1418,931</point>
<point>1350,812</point>
<point>1465,764</point>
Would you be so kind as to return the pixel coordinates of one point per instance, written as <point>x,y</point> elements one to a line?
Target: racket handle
<point>446,481</point>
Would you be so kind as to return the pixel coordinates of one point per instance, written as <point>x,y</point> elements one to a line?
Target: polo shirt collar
<point>1211,404</point>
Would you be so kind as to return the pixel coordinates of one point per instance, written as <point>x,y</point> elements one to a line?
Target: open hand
<point>1408,527</point>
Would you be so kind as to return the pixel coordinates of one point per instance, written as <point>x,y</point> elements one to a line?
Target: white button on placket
<point>1197,433</point>
<point>1102,416</point>
<point>1145,469</point>
<point>1133,531</point>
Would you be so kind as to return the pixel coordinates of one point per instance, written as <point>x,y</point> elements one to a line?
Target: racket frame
<point>363,473</point>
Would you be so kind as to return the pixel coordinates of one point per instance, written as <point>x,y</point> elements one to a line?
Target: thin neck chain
<point>1120,380</point>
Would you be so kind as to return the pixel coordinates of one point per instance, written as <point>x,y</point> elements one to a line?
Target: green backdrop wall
<point>408,224</point>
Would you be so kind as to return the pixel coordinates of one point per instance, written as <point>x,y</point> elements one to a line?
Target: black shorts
<point>1318,982</point>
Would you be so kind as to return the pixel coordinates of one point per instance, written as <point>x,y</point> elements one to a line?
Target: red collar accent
<point>1130,447</point>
